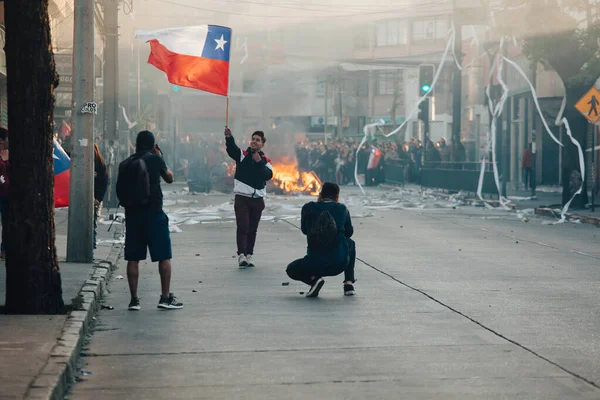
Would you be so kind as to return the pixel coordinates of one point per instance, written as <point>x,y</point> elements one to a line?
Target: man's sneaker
<point>169,303</point>
<point>249,260</point>
<point>349,290</point>
<point>316,287</point>
<point>134,305</point>
<point>242,261</point>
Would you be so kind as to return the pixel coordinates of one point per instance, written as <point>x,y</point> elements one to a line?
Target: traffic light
<point>424,110</point>
<point>426,73</point>
<point>175,88</point>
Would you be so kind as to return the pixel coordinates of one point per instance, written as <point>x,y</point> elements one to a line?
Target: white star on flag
<point>55,156</point>
<point>220,43</point>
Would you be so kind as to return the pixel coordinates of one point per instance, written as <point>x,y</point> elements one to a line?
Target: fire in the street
<point>289,179</point>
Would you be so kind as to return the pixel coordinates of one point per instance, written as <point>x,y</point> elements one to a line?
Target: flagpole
<point>228,81</point>
<point>227,114</point>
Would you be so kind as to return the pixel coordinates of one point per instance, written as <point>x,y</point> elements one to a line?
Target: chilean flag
<point>62,176</point>
<point>193,56</point>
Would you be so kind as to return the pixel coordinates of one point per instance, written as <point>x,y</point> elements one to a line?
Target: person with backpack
<point>328,229</point>
<point>252,171</point>
<point>146,224</point>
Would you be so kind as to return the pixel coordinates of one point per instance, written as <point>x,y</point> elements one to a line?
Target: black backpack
<point>133,182</point>
<point>322,235</point>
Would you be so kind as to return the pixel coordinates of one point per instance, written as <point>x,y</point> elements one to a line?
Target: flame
<point>288,178</point>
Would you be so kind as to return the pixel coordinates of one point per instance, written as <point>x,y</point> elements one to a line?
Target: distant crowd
<point>334,161</point>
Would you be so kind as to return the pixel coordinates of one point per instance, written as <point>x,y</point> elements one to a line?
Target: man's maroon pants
<point>248,211</point>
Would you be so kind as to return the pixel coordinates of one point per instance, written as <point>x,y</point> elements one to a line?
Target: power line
<point>289,6</point>
<point>420,6</point>
<point>70,2</point>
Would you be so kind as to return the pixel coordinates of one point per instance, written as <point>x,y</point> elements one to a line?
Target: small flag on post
<point>62,176</point>
<point>193,56</point>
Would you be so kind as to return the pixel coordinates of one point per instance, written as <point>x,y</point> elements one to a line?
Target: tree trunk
<point>33,282</point>
<point>571,176</point>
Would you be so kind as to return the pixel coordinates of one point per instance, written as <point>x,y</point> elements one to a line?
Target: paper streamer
<point>129,123</point>
<point>453,30</point>
<point>412,112</point>
<point>537,104</point>
<point>496,112</point>
<point>559,121</point>
<point>581,170</point>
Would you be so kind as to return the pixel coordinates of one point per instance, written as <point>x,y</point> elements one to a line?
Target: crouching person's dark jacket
<point>338,257</point>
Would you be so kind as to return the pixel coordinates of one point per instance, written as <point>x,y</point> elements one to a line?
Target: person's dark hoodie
<point>339,212</point>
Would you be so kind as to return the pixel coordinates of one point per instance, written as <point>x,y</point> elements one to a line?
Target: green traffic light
<point>176,88</point>
<point>425,88</point>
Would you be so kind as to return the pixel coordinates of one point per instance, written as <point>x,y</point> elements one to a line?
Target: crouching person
<point>328,228</point>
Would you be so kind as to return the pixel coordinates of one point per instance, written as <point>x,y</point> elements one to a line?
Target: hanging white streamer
<point>581,170</point>
<point>537,104</point>
<point>453,29</point>
<point>559,121</point>
<point>412,112</point>
<point>129,123</point>
<point>491,136</point>
<point>496,112</point>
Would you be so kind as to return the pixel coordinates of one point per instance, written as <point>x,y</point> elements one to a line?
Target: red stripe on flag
<point>188,71</point>
<point>62,182</point>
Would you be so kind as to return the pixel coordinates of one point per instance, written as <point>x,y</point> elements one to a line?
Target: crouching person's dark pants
<point>303,268</point>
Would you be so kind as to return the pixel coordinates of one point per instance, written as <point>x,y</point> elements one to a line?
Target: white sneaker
<point>242,261</point>
<point>249,259</point>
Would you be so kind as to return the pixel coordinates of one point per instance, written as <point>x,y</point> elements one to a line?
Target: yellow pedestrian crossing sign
<point>589,105</point>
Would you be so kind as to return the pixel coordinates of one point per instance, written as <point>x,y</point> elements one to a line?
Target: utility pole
<point>139,85</point>
<point>505,133</point>
<point>457,83</point>
<point>426,108</point>
<point>340,127</point>
<point>80,240</point>
<point>111,98</point>
<point>325,109</point>
<point>533,139</point>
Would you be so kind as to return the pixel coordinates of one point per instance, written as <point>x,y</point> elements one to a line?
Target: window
<point>391,33</point>
<point>388,81</point>
<point>432,29</point>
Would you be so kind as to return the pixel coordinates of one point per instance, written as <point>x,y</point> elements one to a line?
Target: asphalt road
<point>454,302</point>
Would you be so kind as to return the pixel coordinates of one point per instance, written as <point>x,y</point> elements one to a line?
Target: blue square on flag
<point>218,43</point>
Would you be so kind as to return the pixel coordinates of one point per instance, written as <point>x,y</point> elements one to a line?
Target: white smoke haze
<point>295,61</point>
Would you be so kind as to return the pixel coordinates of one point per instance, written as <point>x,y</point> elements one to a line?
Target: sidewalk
<point>38,352</point>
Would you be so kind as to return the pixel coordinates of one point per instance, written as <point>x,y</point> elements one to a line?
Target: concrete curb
<point>57,376</point>
<point>549,212</point>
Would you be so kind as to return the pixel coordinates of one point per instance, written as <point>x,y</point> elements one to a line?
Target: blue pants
<point>302,269</point>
